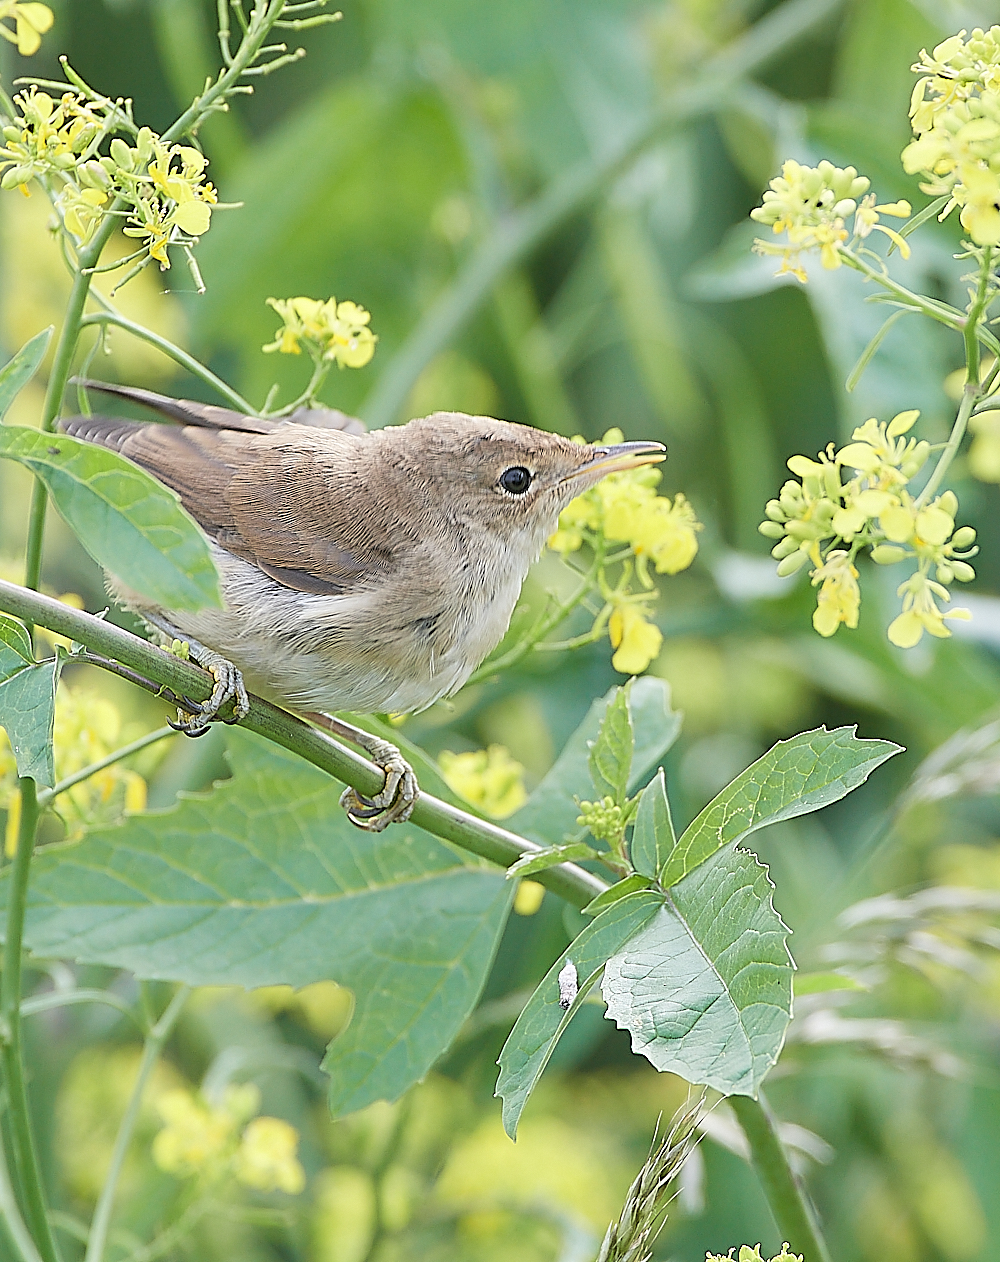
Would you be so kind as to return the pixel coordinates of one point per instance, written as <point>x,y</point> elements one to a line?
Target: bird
<point>367,571</point>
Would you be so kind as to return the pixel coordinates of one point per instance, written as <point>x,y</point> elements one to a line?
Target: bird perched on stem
<point>360,571</point>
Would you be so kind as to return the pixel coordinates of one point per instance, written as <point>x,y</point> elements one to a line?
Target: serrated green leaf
<point>549,815</point>
<point>705,987</point>
<point>263,882</point>
<point>630,885</point>
<point>541,1023</point>
<point>653,837</point>
<point>15,647</point>
<point>130,523</point>
<point>543,859</point>
<point>611,754</point>
<point>27,715</point>
<point>820,983</point>
<point>793,778</point>
<point>17,372</point>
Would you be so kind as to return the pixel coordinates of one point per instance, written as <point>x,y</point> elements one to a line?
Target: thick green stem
<point>524,229</point>
<point>149,663</point>
<point>155,1041</point>
<point>10,1016</point>
<point>46,796</point>
<point>785,1194</point>
<point>110,316</point>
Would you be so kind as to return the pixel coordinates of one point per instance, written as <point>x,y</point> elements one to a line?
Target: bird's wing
<point>208,416</point>
<point>272,499</point>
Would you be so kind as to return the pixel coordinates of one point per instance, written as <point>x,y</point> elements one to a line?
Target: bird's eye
<point>516,480</point>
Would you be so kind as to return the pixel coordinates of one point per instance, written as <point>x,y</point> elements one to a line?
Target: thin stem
<point>64,998</point>
<point>11,1215</point>
<point>319,375</point>
<point>525,228</point>
<point>156,669</point>
<point>785,1193</point>
<point>10,1016</point>
<point>46,796</point>
<point>155,1041</point>
<point>969,397</point>
<point>113,317</point>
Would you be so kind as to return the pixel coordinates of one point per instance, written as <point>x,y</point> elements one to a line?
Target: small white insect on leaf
<point>568,984</point>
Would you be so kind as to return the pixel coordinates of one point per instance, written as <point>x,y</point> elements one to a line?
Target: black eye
<point>516,480</point>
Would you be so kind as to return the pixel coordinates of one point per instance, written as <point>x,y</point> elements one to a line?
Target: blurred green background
<point>378,170</point>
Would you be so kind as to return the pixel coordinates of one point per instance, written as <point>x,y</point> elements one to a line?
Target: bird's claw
<point>195,716</point>
<point>394,803</point>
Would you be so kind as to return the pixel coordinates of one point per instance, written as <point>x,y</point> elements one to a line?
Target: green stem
<point>110,316</point>
<point>10,1016</point>
<point>789,1202</point>
<point>155,1041</point>
<point>64,998</point>
<point>951,447</point>
<point>149,663</point>
<point>11,1215</point>
<point>524,229</point>
<point>319,374</point>
<point>46,796</point>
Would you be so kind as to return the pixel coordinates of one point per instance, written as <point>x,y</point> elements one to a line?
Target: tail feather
<point>105,431</point>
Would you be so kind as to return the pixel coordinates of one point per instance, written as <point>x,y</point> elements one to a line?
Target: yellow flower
<point>866,220</point>
<point>810,204</point>
<point>328,330</point>
<point>488,778</point>
<point>839,597</point>
<point>528,898</point>
<point>921,612</point>
<point>31,21</point>
<point>195,1136</point>
<point>635,640</point>
<point>979,194</point>
<point>266,1158</point>
<point>984,454</point>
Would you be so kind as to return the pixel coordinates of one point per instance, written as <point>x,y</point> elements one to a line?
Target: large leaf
<point>797,776</point>
<point>610,758</point>
<point>263,881</point>
<point>131,524</point>
<point>27,714</point>
<point>549,816</point>
<point>542,1021</point>
<point>17,372</point>
<point>705,987</point>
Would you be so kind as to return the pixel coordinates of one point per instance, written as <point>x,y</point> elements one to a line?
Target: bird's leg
<point>196,716</point>
<point>394,803</point>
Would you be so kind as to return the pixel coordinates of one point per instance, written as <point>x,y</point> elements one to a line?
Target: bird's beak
<point>619,457</point>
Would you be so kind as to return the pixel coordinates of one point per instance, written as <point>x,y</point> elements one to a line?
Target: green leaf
<point>130,524</point>
<point>705,987</point>
<point>541,1023</point>
<point>793,778</point>
<point>263,882</point>
<point>551,854</point>
<point>27,714</point>
<point>15,647</point>
<point>549,815</point>
<point>630,885</point>
<point>653,837</point>
<point>611,754</point>
<point>820,983</point>
<point>17,372</point>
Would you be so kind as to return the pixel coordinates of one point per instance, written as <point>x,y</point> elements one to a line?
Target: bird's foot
<point>394,802</point>
<point>194,717</point>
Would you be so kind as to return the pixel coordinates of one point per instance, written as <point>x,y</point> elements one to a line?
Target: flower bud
<point>804,530</point>
<point>772,529</point>
<point>791,564</point>
<point>963,572</point>
<point>787,546</point>
<point>945,573</point>
<point>963,537</point>
<point>948,503</point>
<point>93,175</point>
<point>774,510</point>
<point>916,460</point>
<point>12,133</point>
<point>123,156</point>
<point>831,479</point>
<point>15,176</point>
<point>63,161</point>
<point>145,142</point>
<point>888,554</point>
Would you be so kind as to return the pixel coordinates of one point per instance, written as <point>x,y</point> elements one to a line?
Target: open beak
<point>619,457</point>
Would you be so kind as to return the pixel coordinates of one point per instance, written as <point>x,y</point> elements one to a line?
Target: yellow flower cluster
<point>328,330</point>
<point>811,205</point>
<point>215,1141</point>
<point>87,729</point>
<point>625,508</point>
<point>955,113</point>
<point>31,21</point>
<point>827,521</point>
<point>163,187</point>
<point>488,778</point>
